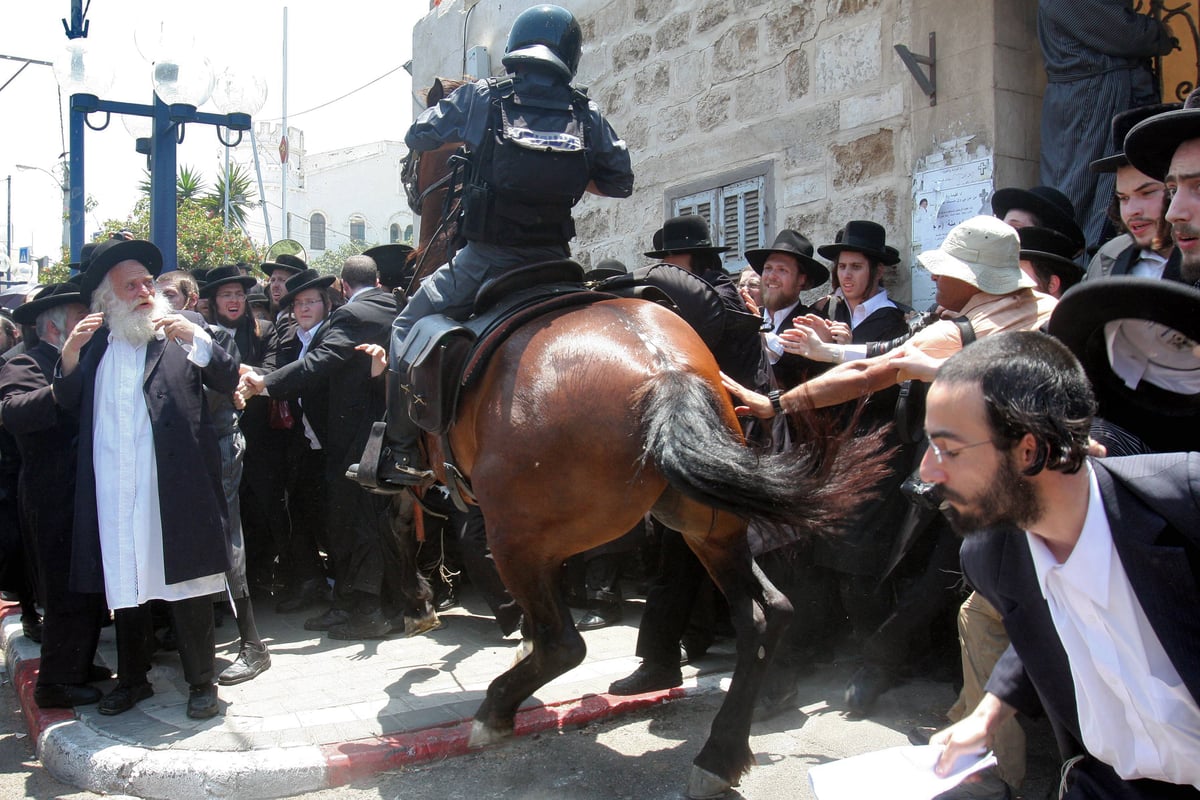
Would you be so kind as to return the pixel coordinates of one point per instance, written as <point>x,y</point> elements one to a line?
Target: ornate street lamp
<point>182,82</point>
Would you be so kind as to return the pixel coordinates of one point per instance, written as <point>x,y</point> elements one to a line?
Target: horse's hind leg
<point>557,646</point>
<point>760,616</point>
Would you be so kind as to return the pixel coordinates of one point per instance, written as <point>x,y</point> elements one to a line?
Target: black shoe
<point>65,695</point>
<point>373,624</point>
<point>866,686</point>
<point>123,698</point>
<point>647,678</point>
<point>445,600</point>
<point>202,702</point>
<point>31,626</point>
<point>251,662</point>
<point>334,616</point>
<point>309,593</point>
<point>97,673</point>
<point>599,618</point>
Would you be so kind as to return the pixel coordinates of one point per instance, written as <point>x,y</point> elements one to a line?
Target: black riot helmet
<point>546,35</point>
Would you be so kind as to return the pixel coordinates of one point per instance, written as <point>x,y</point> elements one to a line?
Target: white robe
<point>127,501</point>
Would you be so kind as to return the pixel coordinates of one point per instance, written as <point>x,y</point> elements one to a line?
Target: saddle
<point>442,356</point>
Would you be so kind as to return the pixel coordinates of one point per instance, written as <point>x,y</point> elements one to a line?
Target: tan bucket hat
<point>983,252</point>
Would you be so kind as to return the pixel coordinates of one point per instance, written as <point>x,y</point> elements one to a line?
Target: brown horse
<point>590,417</point>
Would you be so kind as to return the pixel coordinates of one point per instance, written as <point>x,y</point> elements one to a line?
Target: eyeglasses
<point>307,303</point>
<point>944,453</point>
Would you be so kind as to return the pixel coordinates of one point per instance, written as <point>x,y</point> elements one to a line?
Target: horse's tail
<point>808,489</point>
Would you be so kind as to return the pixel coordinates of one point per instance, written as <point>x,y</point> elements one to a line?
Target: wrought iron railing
<point>1178,73</point>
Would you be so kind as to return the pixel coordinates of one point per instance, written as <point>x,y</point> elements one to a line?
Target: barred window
<point>735,211</point>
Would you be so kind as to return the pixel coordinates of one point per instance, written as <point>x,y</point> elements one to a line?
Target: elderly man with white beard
<point>135,373</point>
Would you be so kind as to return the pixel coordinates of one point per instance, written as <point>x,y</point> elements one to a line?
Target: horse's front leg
<point>556,646</point>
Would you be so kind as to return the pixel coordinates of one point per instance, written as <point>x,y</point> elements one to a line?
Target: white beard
<point>135,326</point>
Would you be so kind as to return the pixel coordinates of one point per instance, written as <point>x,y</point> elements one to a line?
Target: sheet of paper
<point>898,773</point>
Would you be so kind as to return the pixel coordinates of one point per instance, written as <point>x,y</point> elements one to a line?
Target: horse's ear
<point>436,93</point>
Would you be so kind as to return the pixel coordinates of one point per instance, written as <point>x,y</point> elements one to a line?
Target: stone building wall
<point>811,90</point>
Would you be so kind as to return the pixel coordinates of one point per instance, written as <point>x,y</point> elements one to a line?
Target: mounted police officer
<point>535,144</point>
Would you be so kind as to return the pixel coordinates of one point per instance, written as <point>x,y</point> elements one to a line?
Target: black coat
<point>1124,263</point>
<point>1153,508</point>
<point>195,516</point>
<point>333,380</point>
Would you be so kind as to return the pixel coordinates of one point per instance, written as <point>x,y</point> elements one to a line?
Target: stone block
<point>870,108</point>
<point>712,14</point>
<point>790,26</point>
<point>869,157</point>
<point>631,51</point>
<point>796,74</point>
<point>650,10</point>
<point>849,60</point>
<point>735,52</point>
<point>690,74</point>
<point>673,32</point>
<point>636,133</point>
<point>757,96</point>
<point>653,82</point>
<point>810,133</point>
<point>712,109</point>
<point>673,123</point>
<point>843,8</point>
<point>801,189</point>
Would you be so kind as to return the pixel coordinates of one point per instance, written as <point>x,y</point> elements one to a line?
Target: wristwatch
<point>773,396</point>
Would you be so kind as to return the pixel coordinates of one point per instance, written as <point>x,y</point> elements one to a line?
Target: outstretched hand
<point>378,357</point>
<point>755,404</point>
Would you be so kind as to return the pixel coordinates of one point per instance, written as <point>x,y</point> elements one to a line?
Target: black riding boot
<point>392,447</point>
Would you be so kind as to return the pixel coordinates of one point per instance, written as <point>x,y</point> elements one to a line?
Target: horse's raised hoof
<point>482,735</point>
<point>414,626</point>
<point>703,785</point>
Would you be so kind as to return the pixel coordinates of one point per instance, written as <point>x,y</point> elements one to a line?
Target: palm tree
<point>240,189</point>
<point>189,185</point>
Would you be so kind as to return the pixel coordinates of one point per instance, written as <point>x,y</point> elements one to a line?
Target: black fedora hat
<point>1051,206</point>
<point>85,257</point>
<point>56,294</point>
<point>285,261</point>
<point>1081,320</point>
<point>794,244</point>
<point>862,236</point>
<point>308,279</point>
<point>392,261</point>
<point>1121,125</point>
<point>688,233</point>
<point>1051,248</point>
<point>607,268</point>
<point>257,298</point>
<point>112,252</point>
<point>1150,145</point>
<point>223,276</point>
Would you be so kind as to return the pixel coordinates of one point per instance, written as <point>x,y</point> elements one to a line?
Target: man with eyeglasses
<point>358,525</point>
<point>1093,564</point>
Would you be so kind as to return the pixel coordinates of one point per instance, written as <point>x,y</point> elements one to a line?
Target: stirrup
<point>366,471</point>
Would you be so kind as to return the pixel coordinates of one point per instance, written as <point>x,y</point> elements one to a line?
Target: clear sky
<point>333,48</point>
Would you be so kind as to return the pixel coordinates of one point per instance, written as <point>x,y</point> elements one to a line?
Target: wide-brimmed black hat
<point>1051,206</point>
<point>1051,248</point>
<point>607,268</point>
<point>1121,125</point>
<point>85,257</point>
<point>223,276</point>
<point>1150,145</point>
<point>308,279</point>
<point>257,298</point>
<point>1081,321</point>
<point>797,245</point>
<point>392,261</point>
<point>862,236</point>
<point>56,294</point>
<point>685,234</point>
<point>112,252</point>
<point>285,261</point>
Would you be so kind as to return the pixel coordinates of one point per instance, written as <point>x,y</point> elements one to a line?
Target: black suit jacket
<point>335,377</point>
<point>195,516</point>
<point>1153,508</point>
<point>1124,263</point>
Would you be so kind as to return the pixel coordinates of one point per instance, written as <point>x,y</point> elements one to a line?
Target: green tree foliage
<point>241,195</point>
<point>202,241</point>
<point>330,262</point>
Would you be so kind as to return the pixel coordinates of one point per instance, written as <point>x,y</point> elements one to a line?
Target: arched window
<point>408,232</point>
<point>316,232</point>
<point>394,233</point>
<point>358,229</point>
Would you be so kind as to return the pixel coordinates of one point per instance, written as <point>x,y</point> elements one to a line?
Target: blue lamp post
<point>180,86</point>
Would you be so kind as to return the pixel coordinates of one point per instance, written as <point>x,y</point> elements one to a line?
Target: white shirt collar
<point>357,292</point>
<point>1091,556</point>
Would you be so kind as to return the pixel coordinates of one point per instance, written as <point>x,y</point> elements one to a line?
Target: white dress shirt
<point>1149,265</point>
<point>775,319</point>
<point>1135,714</point>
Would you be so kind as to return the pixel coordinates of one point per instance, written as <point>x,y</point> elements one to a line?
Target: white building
<point>353,193</point>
